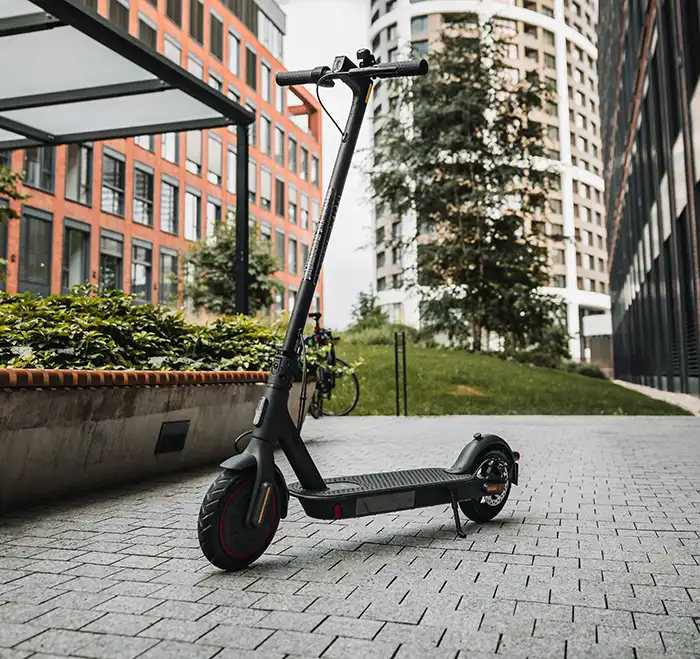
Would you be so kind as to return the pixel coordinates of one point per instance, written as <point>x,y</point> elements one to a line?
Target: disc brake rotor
<point>494,469</point>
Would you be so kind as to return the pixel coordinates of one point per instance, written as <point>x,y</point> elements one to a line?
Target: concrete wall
<point>65,440</point>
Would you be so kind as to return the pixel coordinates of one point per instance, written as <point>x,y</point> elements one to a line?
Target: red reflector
<point>337,512</point>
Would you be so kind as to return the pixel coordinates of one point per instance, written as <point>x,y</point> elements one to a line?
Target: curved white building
<point>557,37</point>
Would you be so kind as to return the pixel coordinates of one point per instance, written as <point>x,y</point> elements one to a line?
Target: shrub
<point>382,335</point>
<point>87,330</point>
<point>591,371</point>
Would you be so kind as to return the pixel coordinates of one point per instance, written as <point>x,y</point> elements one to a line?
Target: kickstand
<point>458,522</point>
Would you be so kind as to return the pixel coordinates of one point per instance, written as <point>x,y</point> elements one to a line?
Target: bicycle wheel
<point>341,398</point>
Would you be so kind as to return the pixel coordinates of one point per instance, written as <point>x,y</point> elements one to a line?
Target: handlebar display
<point>384,70</point>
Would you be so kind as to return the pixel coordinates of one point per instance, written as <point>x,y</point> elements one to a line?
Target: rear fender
<point>247,460</point>
<point>470,457</point>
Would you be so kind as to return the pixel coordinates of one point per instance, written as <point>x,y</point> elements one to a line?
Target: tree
<point>367,313</point>
<point>464,155</point>
<point>9,182</point>
<point>213,264</point>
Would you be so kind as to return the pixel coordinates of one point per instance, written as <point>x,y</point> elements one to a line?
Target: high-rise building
<point>558,39</point>
<point>122,213</point>
<point>651,113</point>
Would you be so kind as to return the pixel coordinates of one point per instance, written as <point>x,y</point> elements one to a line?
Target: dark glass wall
<point>649,66</point>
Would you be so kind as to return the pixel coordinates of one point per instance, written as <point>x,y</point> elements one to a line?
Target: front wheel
<point>223,536</point>
<point>494,466</point>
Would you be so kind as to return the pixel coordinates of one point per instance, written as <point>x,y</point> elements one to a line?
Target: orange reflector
<point>495,489</point>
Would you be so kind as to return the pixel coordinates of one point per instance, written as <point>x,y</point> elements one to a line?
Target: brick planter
<point>63,432</point>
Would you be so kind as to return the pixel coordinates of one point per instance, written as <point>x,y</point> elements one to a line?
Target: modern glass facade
<point>650,110</point>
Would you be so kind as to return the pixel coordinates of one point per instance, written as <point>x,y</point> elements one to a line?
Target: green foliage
<point>367,313</point>
<point>9,182</point>
<point>380,335</point>
<point>213,265</point>
<point>470,162</point>
<point>591,371</point>
<point>87,330</point>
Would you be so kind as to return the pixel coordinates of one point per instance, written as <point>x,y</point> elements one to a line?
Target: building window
<point>234,54</point>
<point>315,213</point>
<point>279,197</point>
<point>265,232</point>
<point>315,171</point>
<point>419,49</point>
<point>252,181</point>
<point>304,210</point>
<point>214,158</point>
<point>265,135</point>
<point>379,237</point>
<point>292,205</point>
<point>5,158</point>
<point>111,261</point>
<point>265,82</point>
<point>172,50</point>
<point>169,207</point>
<point>550,61</point>
<point>381,284</point>
<point>279,99</point>
<point>251,69</point>
<point>193,152</point>
<point>548,37</point>
<point>119,14</point>
<point>304,255</point>
<point>213,217</point>
<point>169,277</point>
<point>173,10</point>
<point>146,142</point>
<point>279,247</point>
<point>76,255</point>
<point>148,34</point>
<point>419,24</point>
<point>79,173</point>
<point>392,32</point>
<point>143,197</point>
<point>39,163</point>
<point>253,127</point>
<point>304,164</point>
<point>292,158</point>
<point>292,254</point>
<point>381,259</point>
<point>197,20</point>
<point>265,189</point>
<point>216,37</point>
<point>141,270</point>
<point>170,147</point>
<point>113,185</point>
<point>215,82</point>
<point>532,54</point>
<point>231,170</point>
<point>279,303</point>
<point>193,216</point>
<point>35,247</point>
<point>279,146</point>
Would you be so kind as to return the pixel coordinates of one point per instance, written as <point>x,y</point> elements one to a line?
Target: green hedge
<point>87,330</point>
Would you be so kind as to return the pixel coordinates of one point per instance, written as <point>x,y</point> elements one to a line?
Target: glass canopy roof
<point>70,75</point>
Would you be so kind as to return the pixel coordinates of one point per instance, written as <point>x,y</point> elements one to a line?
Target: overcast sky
<point>317,31</point>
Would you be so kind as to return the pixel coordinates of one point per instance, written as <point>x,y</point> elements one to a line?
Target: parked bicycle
<point>337,389</point>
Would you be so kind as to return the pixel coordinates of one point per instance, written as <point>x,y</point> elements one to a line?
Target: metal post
<point>396,371</point>
<point>405,386</point>
<point>242,220</point>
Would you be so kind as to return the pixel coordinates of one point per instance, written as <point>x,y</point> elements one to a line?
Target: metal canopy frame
<point>156,85</point>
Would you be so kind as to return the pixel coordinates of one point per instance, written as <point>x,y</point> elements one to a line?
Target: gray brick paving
<point>596,555</point>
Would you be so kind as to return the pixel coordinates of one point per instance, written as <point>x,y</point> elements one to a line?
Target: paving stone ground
<point>597,554</point>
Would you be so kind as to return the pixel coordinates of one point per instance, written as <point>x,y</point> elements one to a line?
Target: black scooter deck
<point>369,494</point>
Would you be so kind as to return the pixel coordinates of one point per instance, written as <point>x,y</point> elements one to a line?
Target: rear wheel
<point>344,393</point>
<point>223,536</point>
<point>494,466</point>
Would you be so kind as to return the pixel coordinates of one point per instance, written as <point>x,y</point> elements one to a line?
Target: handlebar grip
<point>412,68</point>
<point>308,77</point>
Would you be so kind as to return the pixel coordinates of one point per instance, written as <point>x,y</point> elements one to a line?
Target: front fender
<point>468,460</point>
<point>244,461</point>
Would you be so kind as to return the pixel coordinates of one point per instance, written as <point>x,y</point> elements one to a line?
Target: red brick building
<point>122,213</point>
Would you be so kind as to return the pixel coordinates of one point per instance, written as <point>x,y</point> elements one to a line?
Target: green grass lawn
<point>456,382</point>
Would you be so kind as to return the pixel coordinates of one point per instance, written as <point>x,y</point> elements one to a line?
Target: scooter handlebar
<point>405,69</point>
<point>309,77</point>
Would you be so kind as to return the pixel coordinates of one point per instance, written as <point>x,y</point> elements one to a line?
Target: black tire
<point>352,400</point>
<point>224,540</point>
<point>316,405</point>
<point>486,508</point>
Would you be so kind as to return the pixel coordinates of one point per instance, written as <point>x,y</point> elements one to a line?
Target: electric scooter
<point>243,507</point>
